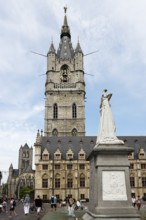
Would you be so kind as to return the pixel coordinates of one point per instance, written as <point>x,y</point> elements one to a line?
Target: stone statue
<point>107,127</point>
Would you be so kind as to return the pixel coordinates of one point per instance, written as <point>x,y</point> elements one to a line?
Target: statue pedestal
<point>110,193</point>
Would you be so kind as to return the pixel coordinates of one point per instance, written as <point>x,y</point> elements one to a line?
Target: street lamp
<point>19,186</point>
<point>70,172</point>
<point>0,177</point>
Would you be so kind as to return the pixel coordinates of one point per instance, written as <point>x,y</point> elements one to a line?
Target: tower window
<point>55,111</point>
<point>55,132</point>
<point>74,132</point>
<point>64,73</point>
<point>74,111</point>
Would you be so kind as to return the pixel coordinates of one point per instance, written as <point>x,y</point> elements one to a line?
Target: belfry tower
<point>65,88</point>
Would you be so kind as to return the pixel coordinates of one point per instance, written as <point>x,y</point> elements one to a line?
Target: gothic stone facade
<point>62,166</point>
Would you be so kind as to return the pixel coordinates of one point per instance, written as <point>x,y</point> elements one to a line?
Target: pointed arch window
<point>132,181</point>
<point>82,180</point>
<point>74,132</point>
<point>45,181</point>
<point>57,181</point>
<point>55,111</point>
<point>69,181</point>
<point>55,132</point>
<point>74,111</point>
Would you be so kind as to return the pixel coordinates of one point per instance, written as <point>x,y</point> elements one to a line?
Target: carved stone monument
<point>110,193</point>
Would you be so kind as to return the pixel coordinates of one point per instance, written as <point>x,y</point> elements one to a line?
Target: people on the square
<point>71,207</point>
<point>12,207</point>
<point>53,201</point>
<point>138,202</point>
<point>26,204</point>
<point>78,205</point>
<point>38,204</point>
<point>133,201</point>
<point>1,207</point>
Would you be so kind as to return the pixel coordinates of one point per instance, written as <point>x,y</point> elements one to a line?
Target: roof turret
<point>51,49</point>
<point>78,48</point>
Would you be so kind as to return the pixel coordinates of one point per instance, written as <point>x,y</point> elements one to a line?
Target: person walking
<point>133,201</point>
<point>12,207</point>
<point>53,202</point>
<point>26,203</point>
<point>71,207</point>
<point>78,205</point>
<point>4,204</point>
<point>138,203</point>
<point>38,204</point>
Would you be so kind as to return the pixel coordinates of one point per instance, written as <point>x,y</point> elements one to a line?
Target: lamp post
<point>0,182</point>
<point>70,172</point>
<point>53,177</point>
<point>18,191</point>
<point>0,177</point>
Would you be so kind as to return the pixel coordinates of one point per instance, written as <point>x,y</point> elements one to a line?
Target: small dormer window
<point>70,156</point>
<point>45,157</point>
<point>141,154</point>
<point>57,156</point>
<point>81,154</point>
<point>131,156</point>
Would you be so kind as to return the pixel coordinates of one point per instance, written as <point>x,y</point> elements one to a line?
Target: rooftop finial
<point>65,9</point>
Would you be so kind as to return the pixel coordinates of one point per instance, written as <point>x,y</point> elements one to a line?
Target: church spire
<point>65,31</point>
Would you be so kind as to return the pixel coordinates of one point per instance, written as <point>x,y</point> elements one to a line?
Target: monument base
<point>91,216</point>
<point>110,192</point>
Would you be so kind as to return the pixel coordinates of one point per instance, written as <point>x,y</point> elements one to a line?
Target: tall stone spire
<point>65,31</point>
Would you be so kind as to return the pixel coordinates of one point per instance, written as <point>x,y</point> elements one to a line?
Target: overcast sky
<point>117,29</point>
